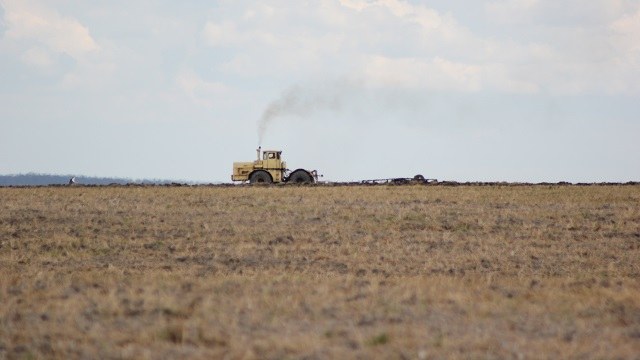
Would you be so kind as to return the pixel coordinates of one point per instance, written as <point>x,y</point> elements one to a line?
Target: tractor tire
<point>260,177</point>
<point>300,177</point>
<point>418,178</point>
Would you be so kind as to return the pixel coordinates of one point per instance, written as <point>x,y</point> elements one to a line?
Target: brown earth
<point>320,272</point>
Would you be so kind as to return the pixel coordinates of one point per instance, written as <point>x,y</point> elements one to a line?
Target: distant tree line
<point>33,179</point>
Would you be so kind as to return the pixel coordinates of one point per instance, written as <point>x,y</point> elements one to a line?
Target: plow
<point>418,179</point>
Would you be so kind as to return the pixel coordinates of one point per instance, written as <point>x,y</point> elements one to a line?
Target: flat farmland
<point>275,272</point>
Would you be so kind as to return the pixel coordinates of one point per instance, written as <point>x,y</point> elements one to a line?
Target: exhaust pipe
<point>258,150</point>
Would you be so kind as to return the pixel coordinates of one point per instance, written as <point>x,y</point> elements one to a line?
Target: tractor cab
<point>272,162</point>
<point>271,155</point>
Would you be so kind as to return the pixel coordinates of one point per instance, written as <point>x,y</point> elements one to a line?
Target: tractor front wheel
<point>260,177</point>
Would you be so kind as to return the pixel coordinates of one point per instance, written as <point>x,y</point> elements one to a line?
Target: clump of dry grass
<point>324,272</point>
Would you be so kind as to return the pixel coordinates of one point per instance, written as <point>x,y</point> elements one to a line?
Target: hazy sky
<point>514,90</point>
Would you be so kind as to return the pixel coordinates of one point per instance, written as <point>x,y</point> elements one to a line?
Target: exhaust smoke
<point>302,101</point>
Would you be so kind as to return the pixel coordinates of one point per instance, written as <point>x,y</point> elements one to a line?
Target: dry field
<point>276,272</point>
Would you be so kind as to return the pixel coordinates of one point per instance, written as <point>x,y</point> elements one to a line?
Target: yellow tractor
<point>269,168</point>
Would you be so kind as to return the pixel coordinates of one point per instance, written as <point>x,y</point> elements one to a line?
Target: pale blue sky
<point>513,90</point>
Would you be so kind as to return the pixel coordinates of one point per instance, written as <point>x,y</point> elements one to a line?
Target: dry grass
<point>320,272</point>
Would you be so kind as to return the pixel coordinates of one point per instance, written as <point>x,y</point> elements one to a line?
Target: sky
<point>496,90</point>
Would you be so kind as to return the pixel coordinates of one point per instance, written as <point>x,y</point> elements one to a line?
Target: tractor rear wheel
<point>260,177</point>
<point>300,177</point>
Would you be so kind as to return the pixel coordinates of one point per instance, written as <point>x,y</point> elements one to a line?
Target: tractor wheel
<point>300,177</point>
<point>260,177</point>
<point>418,178</point>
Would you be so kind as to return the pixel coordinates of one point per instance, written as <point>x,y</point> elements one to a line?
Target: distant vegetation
<point>33,179</point>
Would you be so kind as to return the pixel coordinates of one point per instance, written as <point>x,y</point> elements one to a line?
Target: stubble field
<point>413,272</point>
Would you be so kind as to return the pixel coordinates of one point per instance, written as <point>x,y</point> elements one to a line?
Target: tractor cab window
<point>271,156</point>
